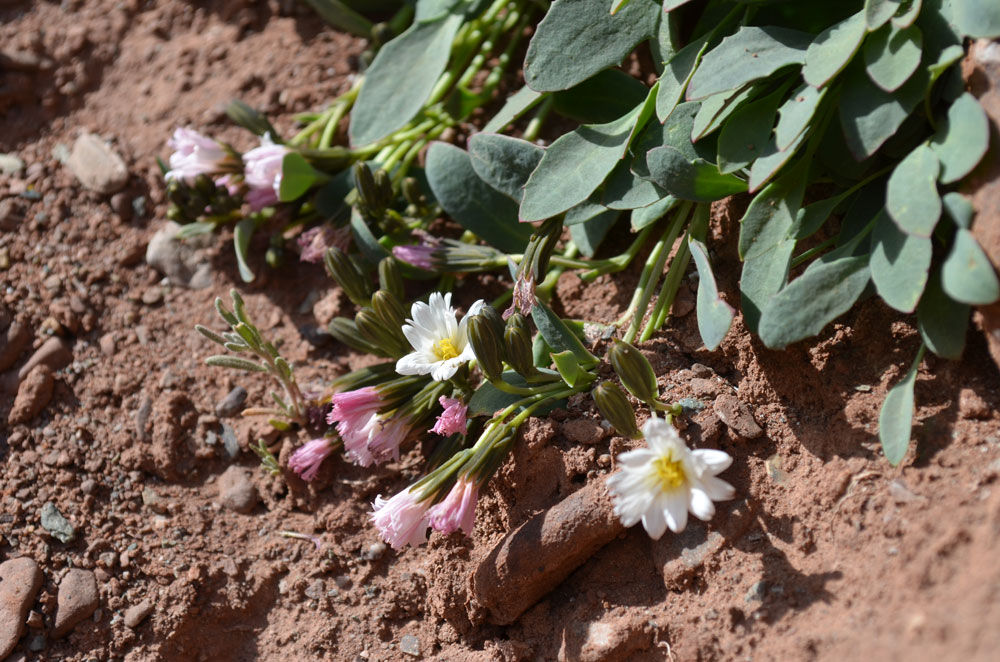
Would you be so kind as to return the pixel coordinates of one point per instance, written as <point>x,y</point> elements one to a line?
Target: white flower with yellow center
<point>660,484</point>
<point>440,343</point>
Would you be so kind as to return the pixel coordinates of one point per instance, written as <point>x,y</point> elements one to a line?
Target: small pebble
<point>410,645</point>
<point>236,491</point>
<point>77,599</point>
<point>136,614</point>
<point>232,404</point>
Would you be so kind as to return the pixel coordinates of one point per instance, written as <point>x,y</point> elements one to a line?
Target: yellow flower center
<point>444,349</point>
<point>669,472</point>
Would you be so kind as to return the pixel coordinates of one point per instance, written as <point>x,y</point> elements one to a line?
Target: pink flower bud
<point>419,255</point>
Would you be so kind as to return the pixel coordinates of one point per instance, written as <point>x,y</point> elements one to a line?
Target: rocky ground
<point>135,524</point>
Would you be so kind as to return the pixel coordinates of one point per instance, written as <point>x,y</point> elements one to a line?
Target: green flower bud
<point>364,181</point>
<point>615,407</point>
<point>175,214</point>
<point>346,331</point>
<point>634,371</point>
<point>343,270</point>
<point>389,309</point>
<point>412,192</point>
<point>389,277</point>
<point>517,339</point>
<point>383,190</point>
<point>374,330</point>
<point>487,344</point>
<point>496,321</point>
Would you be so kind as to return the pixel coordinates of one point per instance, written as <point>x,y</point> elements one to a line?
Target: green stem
<point>651,273</point>
<point>620,262</point>
<point>535,125</point>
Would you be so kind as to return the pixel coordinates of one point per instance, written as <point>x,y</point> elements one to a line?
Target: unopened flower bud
<point>346,331</point>
<point>487,345</point>
<point>517,339</point>
<point>615,407</point>
<point>204,185</point>
<point>389,309</point>
<point>343,270</point>
<point>389,277</point>
<point>634,371</point>
<point>494,318</point>
<point>383,190</point>
<point>375,331</point>
<point>412,192</point>
<point>364,181</point>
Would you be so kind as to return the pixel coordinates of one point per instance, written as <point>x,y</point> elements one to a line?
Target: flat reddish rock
<point>535,557</point>
<point>737,416</point>
<point>54,353</point>
<point>20,580</point>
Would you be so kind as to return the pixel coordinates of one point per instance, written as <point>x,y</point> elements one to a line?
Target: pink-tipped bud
<point>194,154</point>
<point>419,255</point>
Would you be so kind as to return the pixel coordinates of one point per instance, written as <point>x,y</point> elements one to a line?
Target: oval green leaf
<point>895,421</point>
<point>715,316</point>
<point>900,265</point>
<point>832,49</point>
<point>967,275</point>
<point>963,138</point>
<point>892,55</point>
<point>911,197</point>
<point>503,162</point>
<point>942,321</point>
<point>696,180</point>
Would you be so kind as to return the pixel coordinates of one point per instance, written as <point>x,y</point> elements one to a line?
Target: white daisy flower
<point>660,484</point>
<point>441,343</point>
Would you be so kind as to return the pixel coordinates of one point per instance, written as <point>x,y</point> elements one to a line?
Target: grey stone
<point>410,645</point>
<point>232,404</point>
<point>756,592</point>
<point>180,261</point>
<point>230,442</point>
<point>20,581</point>
<point>98,167</point>
<point>236,491</point>
<point>55,523</point>
<point>583,431</point>
<point>77,599</point>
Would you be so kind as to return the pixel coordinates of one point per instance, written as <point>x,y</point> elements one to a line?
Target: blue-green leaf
<point>878,12</point>
<point>967,275</point>
<point>832,49</point>
<point>824,291</point>
<point>962,140</point>
<point>715,316</point>
<point>676,76</point>
<point>648,215</point>
<point>895,421</point>
<point>604,97</point>
<point>942,321</point>
<point>503,162</point>
<point>588,235</point>
<point>696,180</point>
<point>578,38</point>
<point>912,198</point>
<point>745,136</point>
<point>796,114</point>
<point>401,79</point>
<point>979,19</point>
<point>750,54</point>
<point>568,366</point>
<point>242,233</point>
<point>516,105</point>
<point>892,55</point>
<point>900,264</point>
<point>558,335</point>
<point>869,115</point>
<point>475,205</point>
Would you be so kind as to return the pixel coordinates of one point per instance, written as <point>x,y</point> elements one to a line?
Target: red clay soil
<point>828,553</point>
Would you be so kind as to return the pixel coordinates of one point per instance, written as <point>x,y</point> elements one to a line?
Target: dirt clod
<point>737,417</point>
<point>33,395</point>
<point>97,166</point>
<point>20,580</point>
<point>236,491</point>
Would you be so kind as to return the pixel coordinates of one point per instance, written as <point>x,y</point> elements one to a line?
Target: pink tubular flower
<point>227,181</point>
<point>355,413</point>
<point>419,255</point>
<point>263,173</point>
<point>452,420</point>
<point>385,436</point>
<point>458,510</point>
<point>402,520</point>
<point>194,154</point>
<point>306,460</point>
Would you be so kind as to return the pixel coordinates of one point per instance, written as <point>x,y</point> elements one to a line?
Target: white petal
<point>419,339</point>
<point>443,370</point>
<point>636,459</point>
<point>415,363</point>
<point>654,523</point>
<point>714,460</point>
<point>701,506</point>
<point>675,509</point>
<point>717,489</point>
